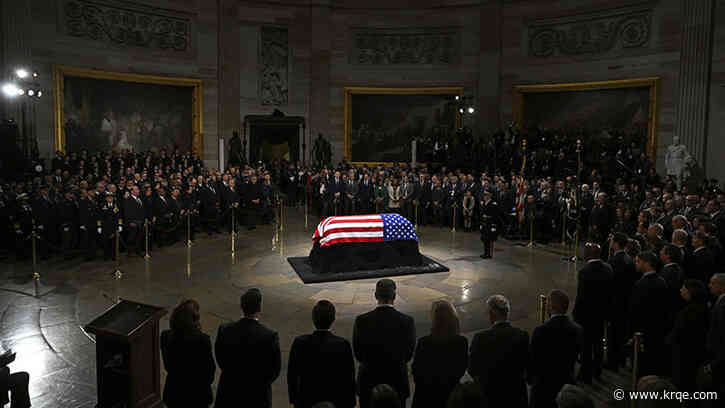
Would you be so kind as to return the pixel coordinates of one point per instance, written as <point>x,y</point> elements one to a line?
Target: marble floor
<point>45,330</point>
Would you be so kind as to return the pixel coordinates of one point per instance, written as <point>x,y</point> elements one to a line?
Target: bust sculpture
<point>676,158</point>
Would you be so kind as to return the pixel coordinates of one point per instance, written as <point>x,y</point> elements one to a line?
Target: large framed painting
<point>101,111</point>
<point>380,123</point>
<point>597,109</point>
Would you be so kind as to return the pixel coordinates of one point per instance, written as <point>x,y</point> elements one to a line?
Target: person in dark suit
<point>499,358</point>
<point>592,309</point>
<point>135,215</point>
<point>321,366</point>
<point>555,346</point>
<point>716,333</point>
<point>188,359</point>
<point>648,315</point>
<point>336,191</point>
<point>253,195</point>
<point>625,275</point>
<point>440,358</point>
<point>249,357</point>
<point>672,273</point>
<point>702,262</point>
<point>383,340</point>
<point>365,194</point>
<point>385,396</point>
<point>688,337</point>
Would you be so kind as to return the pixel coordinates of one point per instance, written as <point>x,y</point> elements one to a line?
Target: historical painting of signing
<point>595,111</point>
<point>381,123</point>
<point>102,111</point>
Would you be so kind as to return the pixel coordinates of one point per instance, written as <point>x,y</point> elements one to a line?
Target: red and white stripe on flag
<point>356,228</point>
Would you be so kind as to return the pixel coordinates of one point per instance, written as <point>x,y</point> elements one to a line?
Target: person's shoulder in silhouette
<point>321,365</point>
<point>249,357</point>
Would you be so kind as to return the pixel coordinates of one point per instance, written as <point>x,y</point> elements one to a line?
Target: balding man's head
<point>592,251</point>
<point>498,308</point>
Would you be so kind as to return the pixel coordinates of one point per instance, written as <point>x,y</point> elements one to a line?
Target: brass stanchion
<point>277,217</point>
<point>188,230</point>
<point>563,229</point>
<point>542,308</point>
<point>454,217</point>
<point>147,256</point>
<point>36,275</point>
<point>415,214</point>
<point>188,262</point>
<point>234,233</point>
<point>637,344</point>
<point>117,272</point>
<point>305,211</point>
<point>281,214</point>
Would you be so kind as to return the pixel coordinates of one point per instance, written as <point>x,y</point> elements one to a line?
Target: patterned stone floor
<point>46,330</point>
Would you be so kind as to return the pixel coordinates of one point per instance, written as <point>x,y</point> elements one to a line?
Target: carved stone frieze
<point>273,65</point>
<point>405,46</point>
<point>126,25</point>
<point>598,33</point>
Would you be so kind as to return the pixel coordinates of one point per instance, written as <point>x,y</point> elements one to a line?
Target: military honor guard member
<point>490,216</point>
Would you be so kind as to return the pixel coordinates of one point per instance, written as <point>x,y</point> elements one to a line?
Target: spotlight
<point>31,92</point>
<point>458,97</point>
<point>471,110</point>
<point>40,93</point>
<point>460,110</point>
<point>35,74</point>
<point>10,89</point>
<point>21,73</point>
<point>21,91</point>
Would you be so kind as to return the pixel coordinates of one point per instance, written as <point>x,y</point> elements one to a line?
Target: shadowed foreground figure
<point>248,355</point>
<point>500,357</point>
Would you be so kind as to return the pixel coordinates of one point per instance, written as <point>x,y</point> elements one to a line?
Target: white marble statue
<point>676,159</point>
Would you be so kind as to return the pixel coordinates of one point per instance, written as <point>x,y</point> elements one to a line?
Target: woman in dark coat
<point>688,336</point>
<point>188,359</point>
<point>440,360</point>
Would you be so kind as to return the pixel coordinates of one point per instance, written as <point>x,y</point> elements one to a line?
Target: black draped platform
<point>349,261</point>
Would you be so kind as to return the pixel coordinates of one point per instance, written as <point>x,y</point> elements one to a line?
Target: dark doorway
<point>274,138</point>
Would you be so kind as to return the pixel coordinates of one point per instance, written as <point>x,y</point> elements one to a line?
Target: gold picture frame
<point>61,71</point>
<point>652,83</point>
<point>350,91</point>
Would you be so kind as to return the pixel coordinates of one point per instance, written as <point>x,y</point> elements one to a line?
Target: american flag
<point>364,228</point>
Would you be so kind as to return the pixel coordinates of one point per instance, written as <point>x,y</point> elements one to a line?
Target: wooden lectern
<point>127,355</point>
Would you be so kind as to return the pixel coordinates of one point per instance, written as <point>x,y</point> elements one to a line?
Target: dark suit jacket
<point>190,368</point>
<point>701,265</point>
<point>438,366</point>
<point>321,368</point>
<point>688,340</point>
<point>383,340</point>
<point>674,276</point>
<point>625,276</point>
<point>648,308</point>
<point>133,211</point>
<point>554,349</point>
<point>499,361</point>
<point>594,293</point>
<point>249,358</point>
<point>716,340</point>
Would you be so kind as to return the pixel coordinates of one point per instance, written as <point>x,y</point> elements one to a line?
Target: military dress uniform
<point>110,217</point>
<point>489,226</point>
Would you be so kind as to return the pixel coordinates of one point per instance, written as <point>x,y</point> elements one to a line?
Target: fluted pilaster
<point>694,82</point>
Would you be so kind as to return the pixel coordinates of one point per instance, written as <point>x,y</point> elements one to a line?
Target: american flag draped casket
<point>359,242</point>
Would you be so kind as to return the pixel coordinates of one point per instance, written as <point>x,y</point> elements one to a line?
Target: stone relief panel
<point>598,33</point>
<point>438,46</point>
<point>126,24</point>
<point>273,65</point>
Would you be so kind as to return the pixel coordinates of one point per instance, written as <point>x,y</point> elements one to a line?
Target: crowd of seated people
<point>502,360</point>
<point>77,206</point>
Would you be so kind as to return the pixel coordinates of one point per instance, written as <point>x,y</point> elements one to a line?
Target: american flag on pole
<point>364,228</point>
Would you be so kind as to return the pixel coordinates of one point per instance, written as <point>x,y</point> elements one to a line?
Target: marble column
<point>229,54</point>
<point>694,82</point>
<point>15,21</point>
<point>489,113</point>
